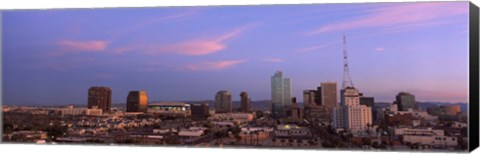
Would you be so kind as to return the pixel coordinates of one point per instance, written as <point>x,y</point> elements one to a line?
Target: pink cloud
<point>316,47</point>
<point>307,49</point>
<point>212,65</point>
<point>197,47</point>
<point>89,46</point>
<point>411,13</point>
<point>273,60</point>
<point>379,49</point>
<point>191,48</point>
<point>441,96</point>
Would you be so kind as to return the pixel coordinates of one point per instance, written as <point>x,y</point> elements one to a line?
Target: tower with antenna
<point>347,81</point>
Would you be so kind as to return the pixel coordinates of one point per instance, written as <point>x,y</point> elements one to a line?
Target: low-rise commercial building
<point>170,108</point>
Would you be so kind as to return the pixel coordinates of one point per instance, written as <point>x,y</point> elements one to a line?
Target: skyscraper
<point>100,97</point>
<point>223,102</point>
<point>350,114</point>
<point>369,102</point>
<point>137,101</point>
<point>328,94</point>
<point>405,101</point>
<point>281,94</point>
<point>245,102</point>
<point>309,97</point>
<point>349,96</point>
<point>318,104</point>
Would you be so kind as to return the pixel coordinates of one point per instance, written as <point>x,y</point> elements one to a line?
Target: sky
<point>52,57</point>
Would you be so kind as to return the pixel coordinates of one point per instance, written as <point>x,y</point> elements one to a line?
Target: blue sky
<point>190,53</point>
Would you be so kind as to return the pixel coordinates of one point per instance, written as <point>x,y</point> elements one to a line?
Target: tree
<point>236,130</point>
<point>238,138</point>
<point>366,141</point>
<point>56,131</point>
<point>220,134</point>
<point>7,128</point>
<point>375,145</point>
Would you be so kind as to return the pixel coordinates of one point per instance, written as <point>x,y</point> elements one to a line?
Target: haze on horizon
<point>190,53</point>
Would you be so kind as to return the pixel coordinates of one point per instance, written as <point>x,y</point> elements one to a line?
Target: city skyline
<point>235,48</point>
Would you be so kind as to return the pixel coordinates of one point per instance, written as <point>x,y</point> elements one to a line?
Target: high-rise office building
<point>100,97</point>
<point>318,104</point>
<point>349,96</point>
<point>405,101</point>
<point>356,118</point>
<point>223,102</point>
<point>369,102</point>
<point>350,114</point>
<point>309,97</point>
<point>245,102</point>
<point>281,94</point>
<point>328,94</point>
<point>137,101</point>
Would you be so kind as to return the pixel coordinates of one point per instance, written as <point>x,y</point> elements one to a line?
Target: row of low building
<point>25,136</point>
<point>426,136</point>
<point>119,124</point>
<point>137,101</point>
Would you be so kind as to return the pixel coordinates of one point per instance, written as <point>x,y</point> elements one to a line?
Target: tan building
<point>309,98</point>
<point>71,110</point>
<point>452,110</point>
<point>234,117</point>
<point>94,111</point>
<point>296,113</point>
<point>328,95</point>
<point>350,114</point>
<point>137,101</point>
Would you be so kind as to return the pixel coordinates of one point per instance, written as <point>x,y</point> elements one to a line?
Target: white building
<point>191,132</point>
<point>94,112</point>
<point>416,113</point>
<point>420,132</point>
<point>234,117</point>
<point>292,131</point>
<point>71,110</point>
<point>434,140</point>
<point>350,114</point>
<point>256,129</point>
<point>170,108</point>
<point>426,136</point>
<point>164,131</point>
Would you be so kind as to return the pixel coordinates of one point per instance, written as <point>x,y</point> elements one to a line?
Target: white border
<point>55,4</point>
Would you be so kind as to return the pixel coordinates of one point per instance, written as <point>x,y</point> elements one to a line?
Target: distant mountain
<point>382,104</point>
<point>266,104</point>
<point>425,105</point>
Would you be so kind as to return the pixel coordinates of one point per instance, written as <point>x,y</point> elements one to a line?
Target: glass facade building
<point>281,94</point>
